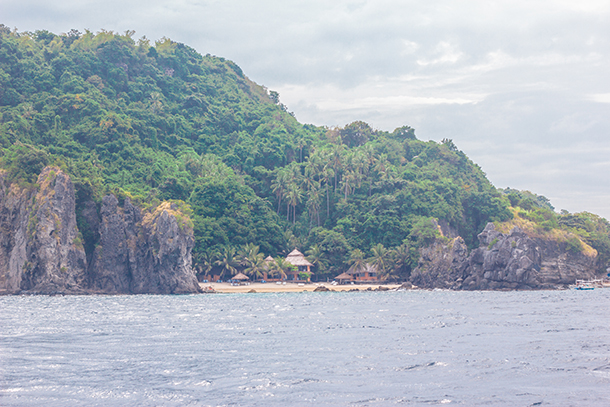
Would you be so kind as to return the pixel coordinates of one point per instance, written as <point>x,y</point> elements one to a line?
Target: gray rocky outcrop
<point>502,261</point>
<point>142,253</point>
<point>441,265</point>
<point>42,251</point>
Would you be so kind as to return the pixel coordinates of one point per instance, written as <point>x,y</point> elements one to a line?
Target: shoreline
<point>227,288</point>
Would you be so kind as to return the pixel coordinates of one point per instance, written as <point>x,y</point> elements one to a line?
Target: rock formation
<point>42,251</point>
<point>502,261</point>
<point>141,254</point>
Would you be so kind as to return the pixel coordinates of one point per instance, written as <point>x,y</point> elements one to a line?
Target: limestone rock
<point>441,265</point>
<point>42,251</point>
<point>142,254</point>
<point>502,261</point>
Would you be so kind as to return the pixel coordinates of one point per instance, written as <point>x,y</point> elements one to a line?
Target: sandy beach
<point>290,287</point>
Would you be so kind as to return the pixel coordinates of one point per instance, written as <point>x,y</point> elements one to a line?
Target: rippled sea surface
<point>307,349</point>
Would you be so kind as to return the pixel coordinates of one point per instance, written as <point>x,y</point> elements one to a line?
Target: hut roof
<point>367,268</point>
<point>343,276</point>
<point>269,259</point>
<point>240,276</point>
<point>297,258</point>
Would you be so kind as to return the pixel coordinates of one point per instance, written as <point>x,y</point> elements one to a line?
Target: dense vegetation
<point>160,122</point>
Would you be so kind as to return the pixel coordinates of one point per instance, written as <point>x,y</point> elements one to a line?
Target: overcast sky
<point>522,87</point>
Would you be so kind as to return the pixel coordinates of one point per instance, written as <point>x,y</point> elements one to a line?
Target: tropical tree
<point>315,256</point>
<point>402,260</point>
<point>203,263</point>
<point>356,260</point>
<point>227,261</point>
<point>256,266</point>
<point>313,203</point>
<point>280,266</point>
<point>293,195</point>
<point>247,253</point>
<point>379,259</point>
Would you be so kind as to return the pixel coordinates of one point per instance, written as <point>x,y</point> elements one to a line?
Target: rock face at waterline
<point>139,254</point>
<point>502,261</point>
<point>42,252</point>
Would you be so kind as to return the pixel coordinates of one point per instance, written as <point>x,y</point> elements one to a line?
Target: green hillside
<point>161,122</point>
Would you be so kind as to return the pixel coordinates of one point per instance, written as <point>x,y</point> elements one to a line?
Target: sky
<point>522,87</point>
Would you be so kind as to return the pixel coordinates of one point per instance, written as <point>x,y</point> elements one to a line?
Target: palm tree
<point>246,253</point>
<point>336,158</point>
<point>313,203</point>
<point>256,266</point>
<point>227,262</point>
<point>294,195</point>
<point>327,174</point>
<point>401,258</point>
<point>203,263</point>
<point>315,256</point>
<point>349,182</point>
<point>379,259</point>
<point>278,185</point>
<point>279,267</point>
<point>356,260</point>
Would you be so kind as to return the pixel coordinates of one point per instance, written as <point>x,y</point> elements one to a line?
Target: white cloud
<point>445,53</point>
<point>600,97</point>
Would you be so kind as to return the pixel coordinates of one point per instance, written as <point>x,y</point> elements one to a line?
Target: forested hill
<point>160,122</point>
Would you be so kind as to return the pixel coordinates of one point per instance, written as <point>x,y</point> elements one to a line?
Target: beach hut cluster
<point>302,272</point>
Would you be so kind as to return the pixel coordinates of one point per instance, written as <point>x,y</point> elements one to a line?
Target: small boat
<point>585,285</point>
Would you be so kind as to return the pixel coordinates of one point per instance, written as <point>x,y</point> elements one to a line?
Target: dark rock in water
<point>321,288</point>
<point>441,265</point>
<point>142,254</point>
<point>382,288</point>
<point>42,251</point>
<point>252,291</point>
<point>109,269</point>
<point>406,286</point>
<point>503,261</point>
<point>40,248</point>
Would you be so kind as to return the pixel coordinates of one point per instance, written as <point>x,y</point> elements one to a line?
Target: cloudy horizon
<point>521,87</point>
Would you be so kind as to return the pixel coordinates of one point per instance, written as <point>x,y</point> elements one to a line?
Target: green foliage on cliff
<point>160,121</point>
<point>581,232</point>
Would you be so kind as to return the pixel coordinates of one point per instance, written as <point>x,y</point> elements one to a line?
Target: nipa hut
<point>364,273</point>
<point>298,259</point>
<point>240,277</point>
<point>343,278</point>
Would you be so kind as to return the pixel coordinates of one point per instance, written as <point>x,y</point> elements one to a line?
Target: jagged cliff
<point>514,260</point>
<point>138,253</point>
<point>41,249</point>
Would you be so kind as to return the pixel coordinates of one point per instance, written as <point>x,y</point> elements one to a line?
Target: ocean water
<point>307,349</point>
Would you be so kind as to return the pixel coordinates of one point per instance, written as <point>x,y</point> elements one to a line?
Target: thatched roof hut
<point>240,276</point>
<point>343,277</point>
<point>366,268</point>
<point>298,259</point>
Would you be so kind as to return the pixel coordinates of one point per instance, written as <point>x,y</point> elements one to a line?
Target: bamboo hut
<point>365,273</point>
<point>343,278</point>
<point>240,277</point>
<point>297,259</point>
<point>266,273</point>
